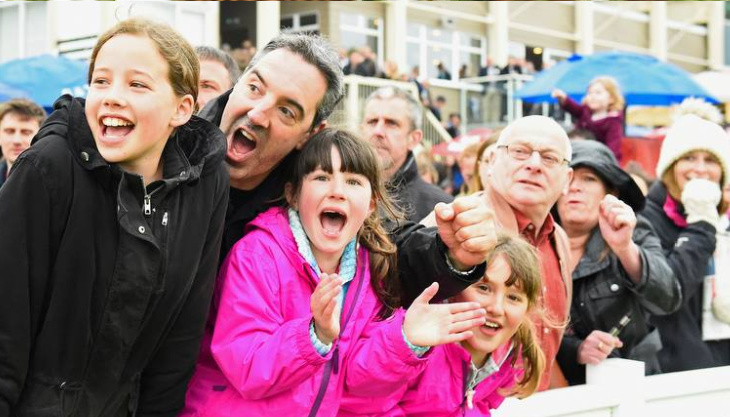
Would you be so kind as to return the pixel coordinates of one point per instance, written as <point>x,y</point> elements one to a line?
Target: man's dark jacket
<point>103,306</point>
<point>421,253</point>
<point>603,293</point>
<point>3,172</point>
<point>415,196</point>
<point>688,251</point>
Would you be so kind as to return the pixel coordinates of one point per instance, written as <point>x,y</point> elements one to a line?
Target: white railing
<point>349,111</point>
<point>494,95</point>
<point>618,388</point>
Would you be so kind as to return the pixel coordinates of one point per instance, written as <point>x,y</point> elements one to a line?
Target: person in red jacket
<point>601,112</point>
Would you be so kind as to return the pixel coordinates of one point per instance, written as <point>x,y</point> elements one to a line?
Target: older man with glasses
<point>529,171</point>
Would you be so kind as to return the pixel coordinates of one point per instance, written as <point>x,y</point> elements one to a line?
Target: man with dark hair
<point>454,125</point>
<point>392,124</point>
<point>218,73</point>
<point>20,120</point>
<point>282,99</point>
<point>438,106</point>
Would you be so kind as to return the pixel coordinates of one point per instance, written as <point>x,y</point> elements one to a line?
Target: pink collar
<point>671,209</point>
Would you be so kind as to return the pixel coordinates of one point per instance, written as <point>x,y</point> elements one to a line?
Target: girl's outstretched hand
<point>558,94</point>
<point>325,309</point>
<point>437,324</point>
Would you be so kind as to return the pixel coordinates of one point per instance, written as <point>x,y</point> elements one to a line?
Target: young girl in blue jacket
<point>298,289</point>
<point>109,247</point>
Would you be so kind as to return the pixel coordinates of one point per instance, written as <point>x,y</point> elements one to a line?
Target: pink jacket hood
<point>258,358</point>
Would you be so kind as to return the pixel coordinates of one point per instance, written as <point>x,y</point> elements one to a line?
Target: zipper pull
<point>147,205</point>
<point>336,360</point>
<point>164,219</point>
<point>470,399</point>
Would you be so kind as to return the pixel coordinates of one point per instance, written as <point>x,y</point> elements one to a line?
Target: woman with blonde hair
<point>481,169</point>
<point>601,112</point>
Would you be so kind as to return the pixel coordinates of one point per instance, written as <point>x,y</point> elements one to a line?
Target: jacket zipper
<point>469,388</point>
<point>333,363</point>
<point>465,374</point>
<point>147,201</point>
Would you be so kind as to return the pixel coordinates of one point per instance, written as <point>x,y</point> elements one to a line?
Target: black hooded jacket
<point>603,293</point>
<point>103,305</point>
<point>421,252</point>
<point>415,196</point>
<point>688,251</point>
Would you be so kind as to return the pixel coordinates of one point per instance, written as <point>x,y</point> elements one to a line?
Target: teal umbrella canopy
<point>45,77</point>
<point>7,92</point>
<point>644,80</point>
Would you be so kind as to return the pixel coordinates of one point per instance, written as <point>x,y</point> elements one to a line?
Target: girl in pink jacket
<point>469,378</point>
<point>298,290</point>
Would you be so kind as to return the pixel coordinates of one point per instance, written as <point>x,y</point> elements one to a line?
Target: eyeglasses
<point>520,152</point>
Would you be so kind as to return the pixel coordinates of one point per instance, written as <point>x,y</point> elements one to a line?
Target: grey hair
<point>321,54</point>
<point>390,92</point>
<point>209,53</point>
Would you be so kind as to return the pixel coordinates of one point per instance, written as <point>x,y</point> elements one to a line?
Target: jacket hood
<point>213,111</point>
<point>597,156</point>
<point>275,223</point>
<point>194,149</point>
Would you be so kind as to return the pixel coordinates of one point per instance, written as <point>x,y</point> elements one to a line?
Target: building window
<point>357,31</point>
<point>301,22</point>
<point>189,18</point>
<point>429,46</point>
<point>22,30</point>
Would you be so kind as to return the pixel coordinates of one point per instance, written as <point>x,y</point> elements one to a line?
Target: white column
<point>499,32</point>
<point>715,34</point>
<point>396,32</point>
<point>268,16</point>
<point>584,27</point>
<point>212,25</point>
<point>658,29</point>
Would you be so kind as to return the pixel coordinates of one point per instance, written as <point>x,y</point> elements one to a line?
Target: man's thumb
<point>444,211</point>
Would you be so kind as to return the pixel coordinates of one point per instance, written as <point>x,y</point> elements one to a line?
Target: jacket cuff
<point>417,350</point>
<point>471,276</point>
<point>304,344</point>
<point>399,348</point>
<point>320,347</point>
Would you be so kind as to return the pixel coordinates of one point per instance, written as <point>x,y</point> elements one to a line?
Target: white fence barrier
<point>618,388</point>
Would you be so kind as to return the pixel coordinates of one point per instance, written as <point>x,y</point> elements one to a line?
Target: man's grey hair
<point>209,53</point>
<point>318,52</point>
<point>391,92</point>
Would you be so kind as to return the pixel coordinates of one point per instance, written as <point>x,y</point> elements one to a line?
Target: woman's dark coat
<point>603,293</point>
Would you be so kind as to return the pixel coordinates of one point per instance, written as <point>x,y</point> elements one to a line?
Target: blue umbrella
<point>7,92</point>
<point>46,77</point>
<point>644,80</point>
